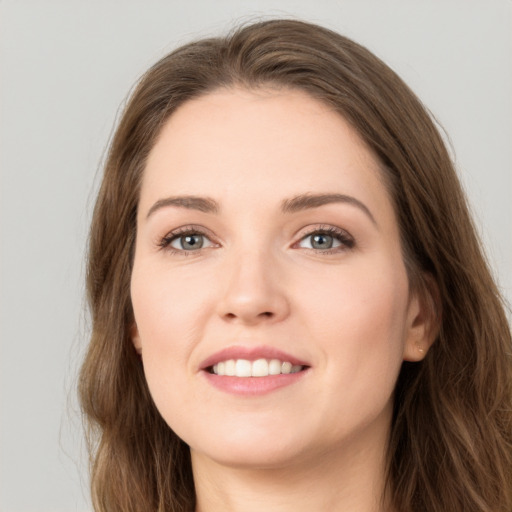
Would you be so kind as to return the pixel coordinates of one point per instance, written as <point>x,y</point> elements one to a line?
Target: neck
<point>347,478</point>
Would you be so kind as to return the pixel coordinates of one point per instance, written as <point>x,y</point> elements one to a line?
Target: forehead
<point>260,143</point>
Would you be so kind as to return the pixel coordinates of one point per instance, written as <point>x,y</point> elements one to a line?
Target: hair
<point>450,446</point>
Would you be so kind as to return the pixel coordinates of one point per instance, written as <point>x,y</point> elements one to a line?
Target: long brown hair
<point>450,446</point>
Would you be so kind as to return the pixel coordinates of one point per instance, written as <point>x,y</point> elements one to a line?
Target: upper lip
<point>251,354</point>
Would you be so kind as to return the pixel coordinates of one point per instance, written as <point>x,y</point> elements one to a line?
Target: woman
<point>290,307</point>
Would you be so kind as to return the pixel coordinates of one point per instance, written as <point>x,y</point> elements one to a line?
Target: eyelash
<point>167,240</point>
<point>347,242</point>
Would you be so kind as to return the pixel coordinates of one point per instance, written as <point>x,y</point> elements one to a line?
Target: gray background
<point>65,69</point>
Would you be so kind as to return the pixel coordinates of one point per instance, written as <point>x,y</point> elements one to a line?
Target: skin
<point>319,443</point>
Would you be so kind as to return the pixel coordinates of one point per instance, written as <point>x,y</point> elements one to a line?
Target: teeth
<point>230,367</point>
<point>243,368</point>
<point>274,367</point>
<point>258,368</point>
<point>286,368</point>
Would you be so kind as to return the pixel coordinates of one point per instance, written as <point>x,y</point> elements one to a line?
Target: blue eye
<point>190,242</point>
<point>186,241</point>
<point>327,239</point>
<point>323,241</point>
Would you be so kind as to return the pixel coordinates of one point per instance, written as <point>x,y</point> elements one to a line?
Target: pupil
<point>192,241</point>
<point>321,241</point>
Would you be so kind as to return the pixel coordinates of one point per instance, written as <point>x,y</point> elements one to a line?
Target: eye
<point>186,240</point>
<point>190,242</point>
<point>328,239</point>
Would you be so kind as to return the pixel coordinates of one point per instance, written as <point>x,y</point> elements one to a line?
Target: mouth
<point>252,371</point>
<point>258,368</point>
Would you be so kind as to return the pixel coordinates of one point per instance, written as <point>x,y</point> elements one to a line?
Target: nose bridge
<point>253,291</point>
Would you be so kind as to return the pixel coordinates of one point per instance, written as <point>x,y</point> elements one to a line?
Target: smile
<point>250,371</point>
<point>257,368</point>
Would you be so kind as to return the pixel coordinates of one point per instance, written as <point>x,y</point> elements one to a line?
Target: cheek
<point>361,330</point>
<point>167,309</point>
<point>166,317</point>
<point>166,328</point>
<point>359,319</point>
<point>369,295</point>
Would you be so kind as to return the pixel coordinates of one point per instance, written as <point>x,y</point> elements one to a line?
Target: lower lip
<point>253,386</point>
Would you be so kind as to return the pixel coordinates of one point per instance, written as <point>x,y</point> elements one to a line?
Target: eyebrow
<point>293,205</point>
<point>307,201</point>
<point>202,204</point>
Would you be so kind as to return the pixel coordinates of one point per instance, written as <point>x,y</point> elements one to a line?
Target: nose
<point>254,292</point>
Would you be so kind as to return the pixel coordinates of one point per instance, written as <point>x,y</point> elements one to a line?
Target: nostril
<point>264,314</point>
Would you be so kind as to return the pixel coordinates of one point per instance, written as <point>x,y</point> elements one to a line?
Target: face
<point>271,301</point>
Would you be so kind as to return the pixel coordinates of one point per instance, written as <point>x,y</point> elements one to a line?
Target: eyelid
<point>346,239</point>
<point>164,243</point>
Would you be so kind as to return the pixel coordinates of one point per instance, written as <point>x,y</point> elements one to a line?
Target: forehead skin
<point>295,136</point>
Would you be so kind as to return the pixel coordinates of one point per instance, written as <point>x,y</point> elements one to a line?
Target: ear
<point>423,319</point>
<point>135,337</point>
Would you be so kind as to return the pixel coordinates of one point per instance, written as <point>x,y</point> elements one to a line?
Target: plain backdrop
<point>66,67</point>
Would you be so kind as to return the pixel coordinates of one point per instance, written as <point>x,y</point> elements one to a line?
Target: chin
<point>255,448</point>
<point>255,456</point>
